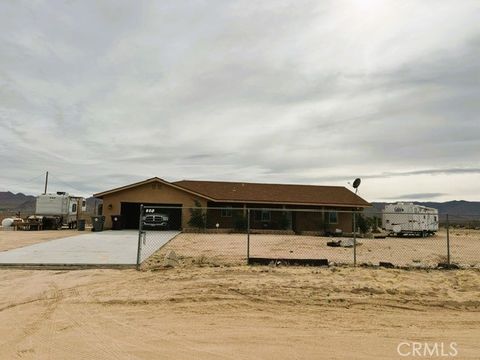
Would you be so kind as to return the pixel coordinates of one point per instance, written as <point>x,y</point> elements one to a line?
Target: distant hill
<point>16,202</point>
<point>25,204</point>
<point>456,207</point>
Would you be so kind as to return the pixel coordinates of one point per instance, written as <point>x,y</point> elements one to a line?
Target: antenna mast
<point>46,182</point>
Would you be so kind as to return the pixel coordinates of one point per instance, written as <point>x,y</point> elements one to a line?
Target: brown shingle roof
<point>274,193</point>
<point>129,186</point>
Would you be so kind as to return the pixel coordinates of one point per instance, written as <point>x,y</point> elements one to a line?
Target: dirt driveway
<point>16,239</point>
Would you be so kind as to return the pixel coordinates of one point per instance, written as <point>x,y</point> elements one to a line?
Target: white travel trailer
<point>60,209</point>
<point>409,219</point>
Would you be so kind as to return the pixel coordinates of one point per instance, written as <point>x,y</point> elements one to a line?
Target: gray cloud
<point>419,196</point>
<point>104,93</point>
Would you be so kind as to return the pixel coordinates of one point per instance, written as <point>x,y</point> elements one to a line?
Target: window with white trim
<point>262,215</point>
<point>333,217</point>
<point>227,212</point>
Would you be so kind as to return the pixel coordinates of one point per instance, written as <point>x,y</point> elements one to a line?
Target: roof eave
<point>156,179</point>
<point>182,188</point>
<point>292,203</point>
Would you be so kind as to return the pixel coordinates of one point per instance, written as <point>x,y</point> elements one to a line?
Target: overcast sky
<point>104,93</point>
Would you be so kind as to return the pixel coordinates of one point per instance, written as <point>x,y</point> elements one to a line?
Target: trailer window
<point>74,208</point>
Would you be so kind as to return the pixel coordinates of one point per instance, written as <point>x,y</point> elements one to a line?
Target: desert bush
<point>197,216</point>
<point>362,223</point>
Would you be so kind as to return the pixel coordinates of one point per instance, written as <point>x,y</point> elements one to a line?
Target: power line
<point>34,178</point>
<point>56,179</point>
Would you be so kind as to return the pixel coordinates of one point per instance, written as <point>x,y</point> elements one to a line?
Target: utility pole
<point>46,182</point>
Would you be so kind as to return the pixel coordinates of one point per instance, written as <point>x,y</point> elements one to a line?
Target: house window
<point>266,215</point>
<point>227,212</point>
<point>333,217</point>
<point>262,215</point>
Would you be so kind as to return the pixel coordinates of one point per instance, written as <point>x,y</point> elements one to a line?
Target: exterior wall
<point>214,215</point>
<point>299,221</point>
<point>345,222</point>
<point>308,221</point>
<point>153,193</point>
<point>276,217</point>
<point>314,221</point>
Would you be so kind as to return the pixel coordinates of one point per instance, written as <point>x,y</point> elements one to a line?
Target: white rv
<point>409,219</point>
<point>60,209</point>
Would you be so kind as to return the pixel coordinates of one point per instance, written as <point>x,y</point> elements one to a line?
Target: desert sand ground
<point>235,313</point>
<point>205,308</point>
<point>232,248</point>
<point>16,239</point>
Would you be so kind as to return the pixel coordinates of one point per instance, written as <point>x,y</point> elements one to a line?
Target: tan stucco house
<point>222,199</point>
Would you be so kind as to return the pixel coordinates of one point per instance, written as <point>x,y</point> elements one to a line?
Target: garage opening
<point>131,214</point>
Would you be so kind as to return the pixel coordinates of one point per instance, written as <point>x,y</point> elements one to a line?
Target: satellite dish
<point>356,184</point>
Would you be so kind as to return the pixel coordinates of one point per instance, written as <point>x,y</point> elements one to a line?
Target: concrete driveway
<point>105,248</point>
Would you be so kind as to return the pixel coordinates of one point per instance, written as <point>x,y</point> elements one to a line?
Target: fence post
<point>205,220</point>
<point>448,241</point>
<point>140,231</point>
<point>248,236</point>
<point>354,239</point>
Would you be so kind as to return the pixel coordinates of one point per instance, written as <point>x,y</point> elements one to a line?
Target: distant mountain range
<point>456,207</point>
<point>25,204</point>
<point>16,202</point>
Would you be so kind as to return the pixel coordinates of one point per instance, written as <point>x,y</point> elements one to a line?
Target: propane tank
<point>7,222</point>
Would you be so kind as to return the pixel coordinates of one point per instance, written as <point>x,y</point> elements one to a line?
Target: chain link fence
<point>463,236</point>
<point>213,236</point>
<point>226,236</point>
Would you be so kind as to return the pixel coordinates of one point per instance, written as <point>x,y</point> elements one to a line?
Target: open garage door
<point>131,214</point>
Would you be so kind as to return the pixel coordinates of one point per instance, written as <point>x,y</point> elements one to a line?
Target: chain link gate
<point>157,225</point>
